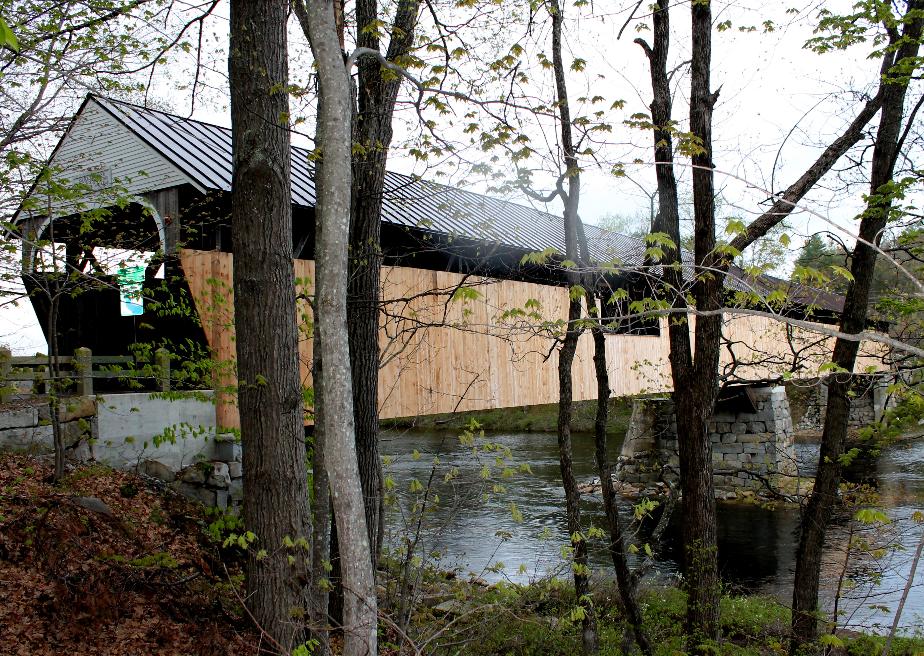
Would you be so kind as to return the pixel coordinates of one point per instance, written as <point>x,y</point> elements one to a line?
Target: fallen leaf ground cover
<point>106,564</point>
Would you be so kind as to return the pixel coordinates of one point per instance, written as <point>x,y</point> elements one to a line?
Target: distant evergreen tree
<point>820,255</point>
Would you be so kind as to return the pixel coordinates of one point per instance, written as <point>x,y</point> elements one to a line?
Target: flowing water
<point>497,522</point>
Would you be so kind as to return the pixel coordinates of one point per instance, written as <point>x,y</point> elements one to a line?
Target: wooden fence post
<point>83,367</point>
<point>40,380</point>
<point>162,363</point>
<point>6,365</point>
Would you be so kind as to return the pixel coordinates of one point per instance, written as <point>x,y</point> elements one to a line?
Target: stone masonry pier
<point>751,433</point>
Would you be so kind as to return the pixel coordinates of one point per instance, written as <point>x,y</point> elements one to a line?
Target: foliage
<point>814,262</point>
<point>540,611</point>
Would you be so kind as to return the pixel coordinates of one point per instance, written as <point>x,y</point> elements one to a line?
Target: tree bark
<point>571,199</point>
<point>694,380</point>
<point>331,261</point>
<point>321,519</point>
<point>569,483</point>
<point>817,513</point>
<point>269,391</point>
<point>617,544</point>
<point>54,377</point>
<point>697,398</point>
<point>372,131</point>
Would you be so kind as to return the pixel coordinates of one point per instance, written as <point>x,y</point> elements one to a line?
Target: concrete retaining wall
<point>135,427</point>
<point>27,427</point>
<point>173,440</point>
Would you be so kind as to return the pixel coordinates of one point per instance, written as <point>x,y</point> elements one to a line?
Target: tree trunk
<point>54,378</point>
<point>320,543</point>
<point>853,320</point>
<point>697,398</point>
<point>269,391</point>
<point>617,545</point>
<point>360,625</point>
<point>572,494</point>
<point>571,200</point>
<point>376,96</point>
<point>695,381</point>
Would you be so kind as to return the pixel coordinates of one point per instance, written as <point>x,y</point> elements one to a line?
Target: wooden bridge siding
<point>476,363</point>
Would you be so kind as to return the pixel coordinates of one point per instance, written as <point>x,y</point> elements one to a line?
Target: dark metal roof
<point>203,152</point>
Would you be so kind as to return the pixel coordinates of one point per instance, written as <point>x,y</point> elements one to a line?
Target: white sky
<point>769,84</point>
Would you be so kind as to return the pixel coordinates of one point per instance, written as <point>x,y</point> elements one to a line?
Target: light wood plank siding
<point>98,142</point>
<point>443,350</point>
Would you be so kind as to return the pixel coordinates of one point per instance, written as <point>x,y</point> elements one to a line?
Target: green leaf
<point>842,272</point>
<point>871,516</point>
<point>7,38</point>
<point>830,640</point>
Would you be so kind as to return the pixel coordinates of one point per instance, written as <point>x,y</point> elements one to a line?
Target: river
<point>495,521</point>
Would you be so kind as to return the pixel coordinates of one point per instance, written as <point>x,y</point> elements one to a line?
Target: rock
<point>450,607</point>
<point>235,470</point>
<point>194,492</point>
<point>221,499</point>
<point>75,431</point>
<point>194,474</point>
<point>19,418</point>
<point>35,439</point>
<point>82,452</point>
<point>94,504</point>
<point>227,449</point>
<point>77,407</point>
<point>219,477</point>
<point>157,469</point>
<point>236,489</point>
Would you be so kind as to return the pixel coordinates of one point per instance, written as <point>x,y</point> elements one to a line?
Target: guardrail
<point>82,368</point>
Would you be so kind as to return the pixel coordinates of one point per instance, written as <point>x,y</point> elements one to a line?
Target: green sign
<point>131,281</point>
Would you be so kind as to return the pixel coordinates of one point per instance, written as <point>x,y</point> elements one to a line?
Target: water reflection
<point>475,527</point>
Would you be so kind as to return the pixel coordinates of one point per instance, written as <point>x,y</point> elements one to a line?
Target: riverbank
<point>524,419</point>
<point>544,418</point>
<point>110,563</point>
<point>538,620</point>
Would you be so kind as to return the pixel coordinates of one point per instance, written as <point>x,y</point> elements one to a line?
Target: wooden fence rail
<point>81,369</point>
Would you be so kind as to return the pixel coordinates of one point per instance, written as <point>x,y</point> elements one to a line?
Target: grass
<point>535,620</point>
<point>524,419</point>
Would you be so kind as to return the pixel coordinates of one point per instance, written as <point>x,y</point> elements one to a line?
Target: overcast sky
<point>780,104</point>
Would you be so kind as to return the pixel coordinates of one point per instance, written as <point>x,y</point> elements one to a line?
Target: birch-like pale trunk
<point>331,261</point>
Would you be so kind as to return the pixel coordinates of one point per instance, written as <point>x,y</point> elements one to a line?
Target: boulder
<point>157,469</point>
<point>193,475</point>
<point>77,407</point>
<point>219,476</point>
<point>202,495</point>
<point>235,470</point>
<point>94,504</point>
<point>227,449</point>
<point>19,418</point>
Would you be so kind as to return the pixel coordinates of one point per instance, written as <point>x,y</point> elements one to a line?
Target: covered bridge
<point>466,324</point>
